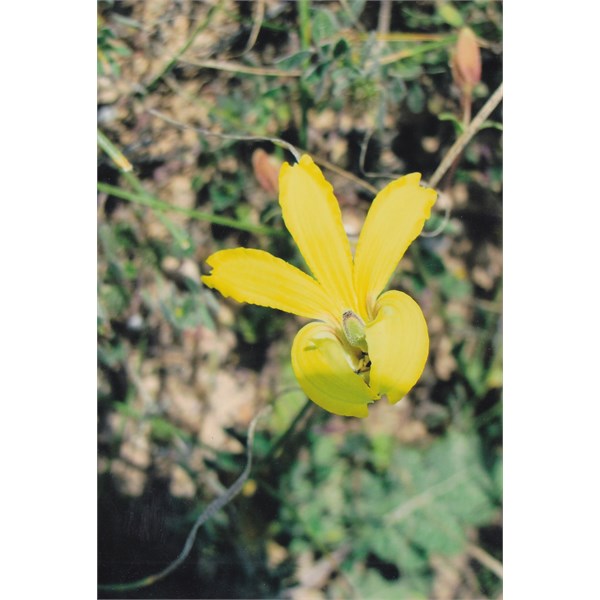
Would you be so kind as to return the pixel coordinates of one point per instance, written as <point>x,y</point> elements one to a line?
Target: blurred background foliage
<point>403,504</point>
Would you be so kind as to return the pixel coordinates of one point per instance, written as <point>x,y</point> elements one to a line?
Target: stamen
<point>364,365</point>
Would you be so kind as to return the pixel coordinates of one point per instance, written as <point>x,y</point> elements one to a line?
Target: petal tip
<point>361,412</point>
<point>412,178</point>
<point>306,159</point>
<point>393,400</point>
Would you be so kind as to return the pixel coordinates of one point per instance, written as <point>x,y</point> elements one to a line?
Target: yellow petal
<point>395,219</point>
<point>258,277</point>
<point>313,217</point>
<point>325,372</point>
<point>398,345</point>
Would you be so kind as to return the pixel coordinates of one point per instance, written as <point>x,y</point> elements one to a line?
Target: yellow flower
<point>363,345</point>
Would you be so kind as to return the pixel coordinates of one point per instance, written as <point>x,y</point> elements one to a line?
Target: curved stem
<point>216,505</point>
<point>466,136</point>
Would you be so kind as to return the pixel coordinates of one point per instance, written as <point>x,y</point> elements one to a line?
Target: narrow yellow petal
<point>313,217</point>
<point>325,372</point>
<point>395,219</point>
<point>258,277</point>
<point>398,345</point>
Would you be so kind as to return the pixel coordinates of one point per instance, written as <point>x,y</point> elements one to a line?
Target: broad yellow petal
<point>258,277</point>
<point>395,219</point>
<point>325,372</point>
<point>398,345</point>
<point>313,217</point>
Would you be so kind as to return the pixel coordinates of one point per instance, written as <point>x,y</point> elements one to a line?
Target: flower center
<point>354,331</point>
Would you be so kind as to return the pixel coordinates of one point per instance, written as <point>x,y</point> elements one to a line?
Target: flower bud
<point>466,61</point>
<point>354,328</point>
<point>266,171</point>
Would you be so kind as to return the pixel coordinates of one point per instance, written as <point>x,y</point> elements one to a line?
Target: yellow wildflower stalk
<point>363,345</point>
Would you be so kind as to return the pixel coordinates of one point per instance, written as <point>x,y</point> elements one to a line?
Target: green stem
<point>286,434</point>
<point>305,37</point>
<point>142,197</point>
<point>422,48</point>
<point>304,14</point>
<point>113,153</point>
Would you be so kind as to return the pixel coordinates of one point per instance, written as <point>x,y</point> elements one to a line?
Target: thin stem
<point>396,36</point>
<point>229,136</point>
<point>257,21</point>
<point>304,15</point>
<point>234,67</point>
<point>152,202</point>
<point>296,152</point>
<point>216,505</point>
<point>305,37</point>
<point>286,434</point>
<point>466,136</point>
<point>410,52</point>
<point>467,102</point>
<point>487,560</point>
<point>114,153</point>
<point>385,15</point>
<point>142,196</point>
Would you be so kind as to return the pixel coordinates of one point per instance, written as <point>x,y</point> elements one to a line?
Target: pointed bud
<point>354,328</point>
<point>266,171</point>
<point>466,61</point>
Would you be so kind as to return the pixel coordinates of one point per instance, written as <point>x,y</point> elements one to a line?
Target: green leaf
<point>355,9</point>
<point>432,262</point>
<point>455,287</point>
<point>114,299</point>
<point>437,531</point>
<point>341,47</point>
<point>391,545</point>
<point>450,14</point>
<point>458,124</point>
<point>383,446</point>
<point>442,492</point>
<point>497,478</point>
<point>373,586</point>
<point>224,194</point>
<point>323,25</point>
<point>111,355</point>
<point>187,311</point>
<point>424,502</point>
<point>294,61</point>
<point>416,98</point>
<point>324,450</point>
<point>491,125</point>
<point>163,430</point>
